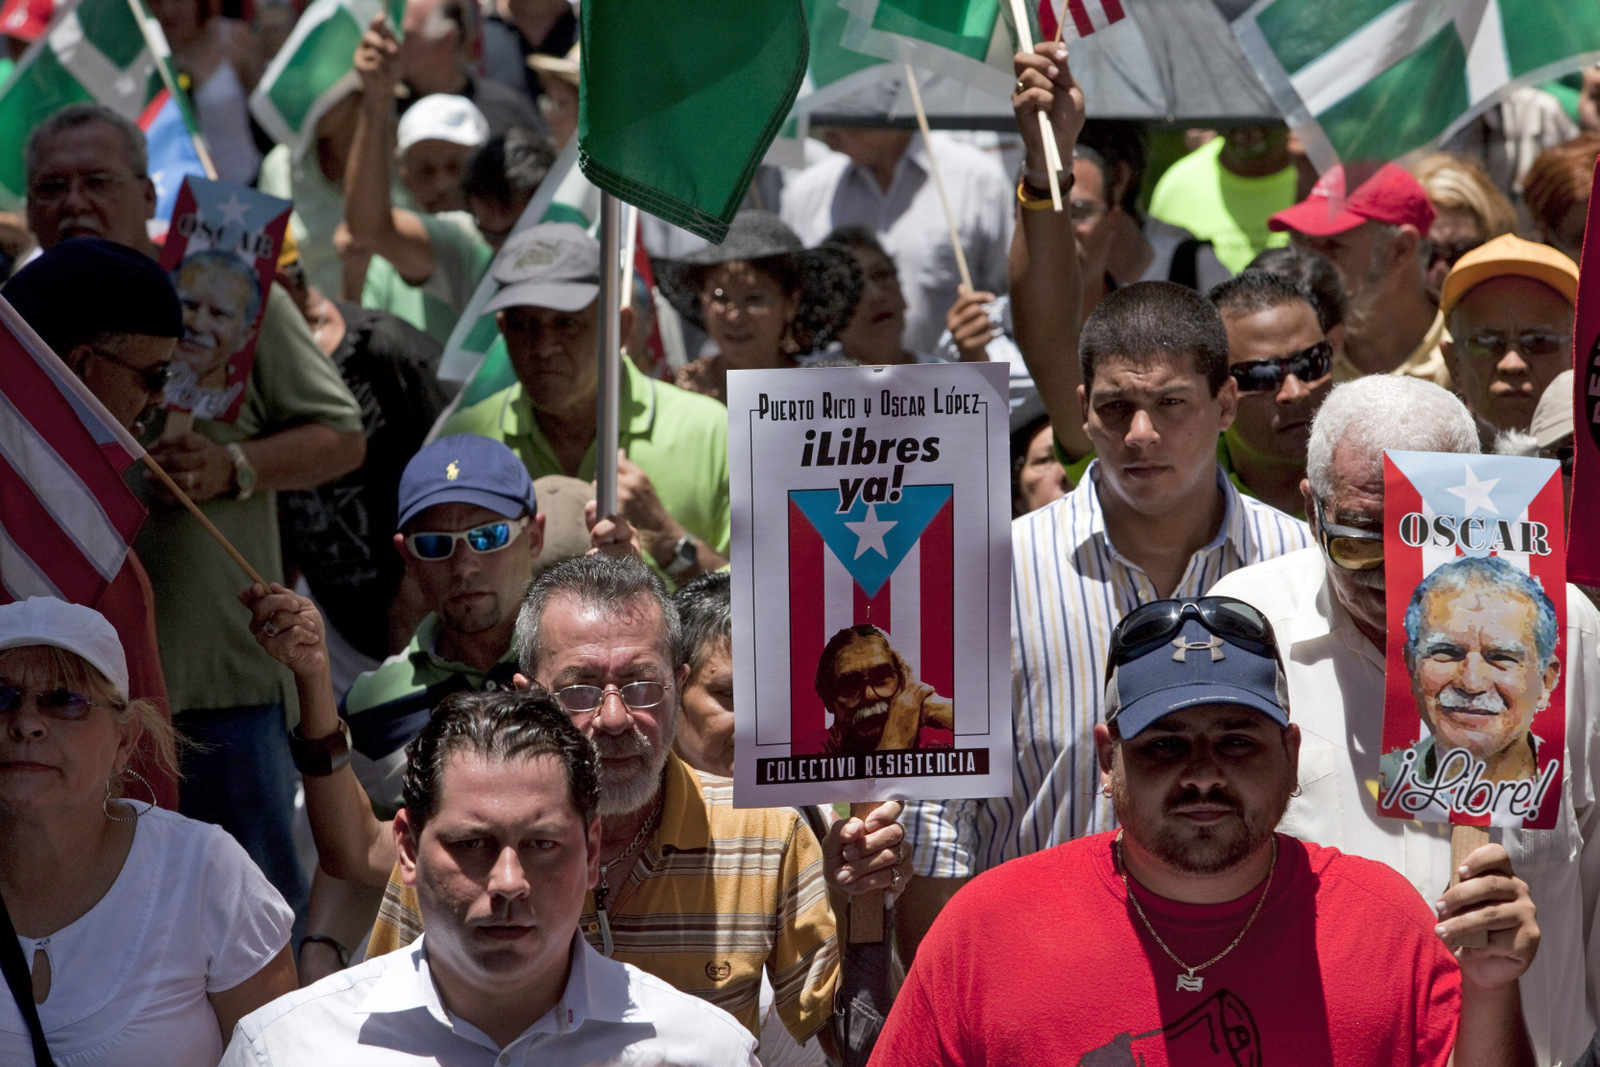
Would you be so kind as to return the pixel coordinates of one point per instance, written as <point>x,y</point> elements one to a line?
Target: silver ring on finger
<point>270,630</point>
<point>894,876</point>
<point>1020,86</point>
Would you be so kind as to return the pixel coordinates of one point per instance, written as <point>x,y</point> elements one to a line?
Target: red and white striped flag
<point>1082,17</point>
<point>66,516</point>
<point>890,564</point>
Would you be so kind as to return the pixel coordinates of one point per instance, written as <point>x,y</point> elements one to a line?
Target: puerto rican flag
<point>66,517</point>
<point>173,155</point>
<point>1082,17</point>
<point>887,563</point>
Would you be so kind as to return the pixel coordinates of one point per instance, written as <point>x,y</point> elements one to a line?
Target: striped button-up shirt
<point>1069,588</point>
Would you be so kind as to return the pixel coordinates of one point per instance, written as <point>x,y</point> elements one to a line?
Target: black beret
<point>89,286</point>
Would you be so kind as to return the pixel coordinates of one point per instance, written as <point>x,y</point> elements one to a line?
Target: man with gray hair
<point>1327,606</point>
<point>691,889</point>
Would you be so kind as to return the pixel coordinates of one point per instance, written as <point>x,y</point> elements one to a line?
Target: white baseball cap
<point>43,620</point>
<point>442,117</point>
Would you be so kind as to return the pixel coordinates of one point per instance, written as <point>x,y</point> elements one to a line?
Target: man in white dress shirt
<point>1331,623</point>
<point>500,837</point>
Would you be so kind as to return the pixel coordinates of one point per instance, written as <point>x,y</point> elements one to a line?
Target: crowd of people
<point>450,783</point>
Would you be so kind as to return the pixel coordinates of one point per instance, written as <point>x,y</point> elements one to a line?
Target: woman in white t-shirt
<point>146,935</point>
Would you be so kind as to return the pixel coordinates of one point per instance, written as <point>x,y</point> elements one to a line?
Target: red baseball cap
<point>1345,197</point>
<point>26,20</point>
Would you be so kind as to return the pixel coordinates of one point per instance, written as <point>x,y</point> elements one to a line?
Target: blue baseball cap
<point>1195,667</point>
<point>466,469</point>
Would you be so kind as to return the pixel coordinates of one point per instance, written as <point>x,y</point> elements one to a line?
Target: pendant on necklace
<point>1188,983</point>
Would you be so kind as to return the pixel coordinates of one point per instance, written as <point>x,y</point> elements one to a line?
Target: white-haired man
<point>1327,606</point>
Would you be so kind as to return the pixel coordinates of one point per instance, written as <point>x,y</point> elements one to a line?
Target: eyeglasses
<point>97,186</point>
<point>1268,375</point>
<point>1448,252</point>
<point>491,537</point>
<point>154,379</point>
<point>1085,210</point>
<point>585,699</point>
<point>1529,343</point>
<point>1564,454</point>
<point>62,704</point>
<point>1151,623</point>
<point>1350,547</point>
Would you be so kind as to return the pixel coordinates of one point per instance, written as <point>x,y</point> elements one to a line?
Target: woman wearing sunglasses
<point>141,936</point>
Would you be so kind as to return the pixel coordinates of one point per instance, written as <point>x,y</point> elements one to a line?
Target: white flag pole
<point>608,401</point>
<point>938,179</point>
<point>1052,154</point>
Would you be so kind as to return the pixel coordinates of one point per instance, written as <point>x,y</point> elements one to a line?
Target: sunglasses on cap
<point>1530,343</point>
<point>1268,375</point>
<point>490,537</point>
<point>1153,623</point>
<point>1350,547</point>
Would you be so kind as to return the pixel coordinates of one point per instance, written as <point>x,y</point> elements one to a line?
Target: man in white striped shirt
<point>1147,387</point>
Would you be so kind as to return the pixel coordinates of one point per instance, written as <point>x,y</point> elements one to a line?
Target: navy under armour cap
<point>1191,667</point>
<point>466,468</point>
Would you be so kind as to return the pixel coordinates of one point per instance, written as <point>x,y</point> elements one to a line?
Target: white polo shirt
<point>1336,696</point>
<point>386,1012</point>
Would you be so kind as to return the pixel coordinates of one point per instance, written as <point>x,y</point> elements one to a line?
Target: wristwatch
<point>684,556</point>
<point>321,756</point>
<point>244,475</point>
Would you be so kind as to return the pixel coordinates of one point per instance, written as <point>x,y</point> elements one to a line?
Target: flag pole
<point>938,179</point>
<point>156,41</point>
<point>1052,154</point>
<point>200,516</point>
<point>607,402</point>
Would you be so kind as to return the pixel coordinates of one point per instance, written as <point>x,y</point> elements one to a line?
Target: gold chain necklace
<point>1189,983</point>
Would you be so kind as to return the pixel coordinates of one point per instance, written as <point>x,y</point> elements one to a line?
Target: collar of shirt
<point>1321,615</point>
<point>911,166</point>
<point>684,822</point>
<point>1090,521</point>
<point>422,651</point>
<point>596,989</point>
<point>518,420</point>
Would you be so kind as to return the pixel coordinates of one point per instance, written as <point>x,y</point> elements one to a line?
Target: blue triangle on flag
<point>871,540</point>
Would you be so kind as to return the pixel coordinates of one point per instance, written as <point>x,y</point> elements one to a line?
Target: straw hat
<point>830,279</point>
<point>564,67</point>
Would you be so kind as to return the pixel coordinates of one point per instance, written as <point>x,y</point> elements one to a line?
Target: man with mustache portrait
<point>876,702</point>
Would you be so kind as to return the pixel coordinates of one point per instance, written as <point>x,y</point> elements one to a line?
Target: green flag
<point>1374,79</point>
<point>679,99</point>
<point>313,70</point>
<point>94,53</point>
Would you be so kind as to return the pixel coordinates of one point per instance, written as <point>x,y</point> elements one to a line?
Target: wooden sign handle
<point>866,909</point>
<point>1464,840</point>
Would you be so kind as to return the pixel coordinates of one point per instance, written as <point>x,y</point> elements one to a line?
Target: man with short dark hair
<point>1281,361</point>
<point>705,731</point>
<point>1146,387</point>
<point>1371,221</point>
<point>298,427</point>
<point>1328,604</point>
<point>503,970</point>
<point>1195,931</point>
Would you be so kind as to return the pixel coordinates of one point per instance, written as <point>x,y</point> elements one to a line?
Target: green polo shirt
<point>678,438</point>
<point>387,707</point>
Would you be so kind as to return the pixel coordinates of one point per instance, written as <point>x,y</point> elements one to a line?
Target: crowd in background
<point>264,800</point>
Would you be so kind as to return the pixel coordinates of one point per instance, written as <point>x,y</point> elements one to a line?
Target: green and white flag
<point>94,52</point>
<point>475,353</point>
<point>963,38</point>
<point>1375,79</point>
<point>313,71</point>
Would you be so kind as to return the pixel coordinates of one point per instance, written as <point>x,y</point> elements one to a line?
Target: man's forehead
<point>1505,603</point>
<point>83,147</point>
<point>578,636</point>
<point>1163,371</point>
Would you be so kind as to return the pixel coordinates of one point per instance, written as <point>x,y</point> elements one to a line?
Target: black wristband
<point>324,939</point>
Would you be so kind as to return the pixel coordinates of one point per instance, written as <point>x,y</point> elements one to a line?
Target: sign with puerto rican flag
<point>1474,566</point>
<point>222,251</point>
<point>871,583</point>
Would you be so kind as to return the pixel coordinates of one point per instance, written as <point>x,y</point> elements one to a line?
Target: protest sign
<point>871,583</point>
<point>222,251</point>
<point>1474,723</point>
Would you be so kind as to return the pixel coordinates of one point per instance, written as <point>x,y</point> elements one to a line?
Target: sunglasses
<point>854,685</point>
<point>1565,454</point>
<point>584,699</point>
<point>153,379</point>
<point>1529,343</point>
<point>61,704</point>
<point>1350,547</point>
<point>491,537</point>
<point>1448,252</point>
<point>1153,623</point>
<point>1268,375</point>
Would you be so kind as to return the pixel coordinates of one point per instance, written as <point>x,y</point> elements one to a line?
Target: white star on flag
<point>234,210</point>
<point>870,531</point>
<point>1474,494</point>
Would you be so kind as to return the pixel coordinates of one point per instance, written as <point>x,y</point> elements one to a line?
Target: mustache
<point>1486,703</point>
<point>872,711</point>
<point>622,746</point>
<point>1216,797</point>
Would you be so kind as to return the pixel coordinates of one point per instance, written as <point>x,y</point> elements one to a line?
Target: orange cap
<point>1509,255</point>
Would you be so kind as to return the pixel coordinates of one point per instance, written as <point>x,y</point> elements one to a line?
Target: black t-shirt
<point>341,535</point>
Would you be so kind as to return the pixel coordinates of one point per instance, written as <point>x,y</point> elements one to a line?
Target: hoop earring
<point>105,805</point>
<point>1297,791</point>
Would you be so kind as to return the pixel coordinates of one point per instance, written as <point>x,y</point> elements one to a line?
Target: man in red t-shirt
<point>1195,934</point>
